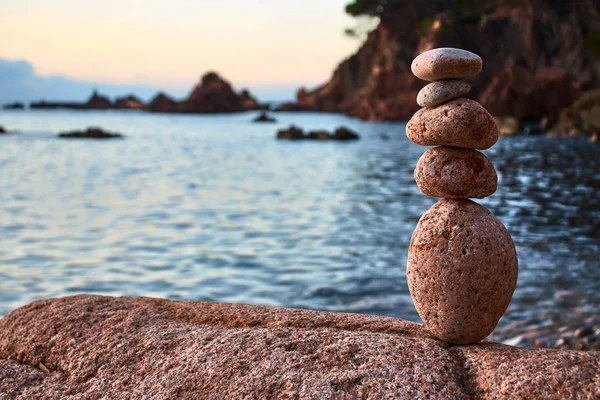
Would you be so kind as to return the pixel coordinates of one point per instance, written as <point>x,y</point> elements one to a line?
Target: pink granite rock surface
<point>455,173</point>
<point>446,63</point>
<point>460,123</point>
<point>440,92</point>
<point>96,347</point>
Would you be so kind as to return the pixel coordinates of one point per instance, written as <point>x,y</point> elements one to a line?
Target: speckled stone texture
<point>461,270</point>
<point>446,63</point>
<point>98,347</point>
<point>440,92</point>
<point>455,173</point>
<point>460,123</point>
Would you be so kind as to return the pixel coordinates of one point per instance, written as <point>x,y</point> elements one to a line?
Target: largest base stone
<point>461,271</point>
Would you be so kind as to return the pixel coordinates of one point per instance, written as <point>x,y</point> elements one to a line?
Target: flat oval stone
<point>440,92</point>
<point>461,270</point>
<point>459,123</point>
<point>446,63</point>
<point>455,173</point>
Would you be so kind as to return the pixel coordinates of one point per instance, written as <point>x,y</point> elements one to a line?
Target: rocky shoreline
<point>96,346</point>
<point>575,326</point>
<point>531,74</point>
<point>212,94</point>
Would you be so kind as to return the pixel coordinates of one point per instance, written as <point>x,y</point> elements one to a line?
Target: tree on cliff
<point>461,8</point>
<point>387,11</point>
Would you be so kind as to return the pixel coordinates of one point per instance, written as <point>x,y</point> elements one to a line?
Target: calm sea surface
<point>214,208</point>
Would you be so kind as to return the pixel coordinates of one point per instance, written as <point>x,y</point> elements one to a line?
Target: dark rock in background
<point>295,133</point>
<point>90,133</point>
<point>98,102</point>
<point>14,106</point>
<point>129,102</point>
<point>538,55</point>
<point>162,103</point>
<point>264,117</point>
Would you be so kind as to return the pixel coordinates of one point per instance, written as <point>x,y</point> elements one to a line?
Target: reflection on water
<point>212,207</point>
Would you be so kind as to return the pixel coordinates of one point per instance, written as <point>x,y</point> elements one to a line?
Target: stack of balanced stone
<point>462,262</point>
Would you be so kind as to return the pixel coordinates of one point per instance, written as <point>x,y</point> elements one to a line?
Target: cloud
<point>20,82</point>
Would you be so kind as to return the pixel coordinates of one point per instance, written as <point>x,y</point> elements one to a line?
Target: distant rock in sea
<point>129,102</point>
<point>14,106</point>
<point>291,133</point>
<point>264,117</point>
<point>295,133</point>
<point>212,95</point>
<point>2,130</point>
<point>98,102</point>
<point>215,95</point>
<point>90,133</point>
<point>162,103</point>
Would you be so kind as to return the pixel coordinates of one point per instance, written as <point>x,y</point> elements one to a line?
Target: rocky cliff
<point>538,55</point>
<point>96,347</point>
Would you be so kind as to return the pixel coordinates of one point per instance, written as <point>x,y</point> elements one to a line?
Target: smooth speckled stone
<point>446,63</point>
<point>455,173</point>
<point>440,92</point>
<point>461,270</point>
<point>459,123</point>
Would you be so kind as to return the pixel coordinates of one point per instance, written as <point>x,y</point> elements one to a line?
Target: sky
<point>270,46</point>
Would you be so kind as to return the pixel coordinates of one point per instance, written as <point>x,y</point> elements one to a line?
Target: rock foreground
<point>96,347</point>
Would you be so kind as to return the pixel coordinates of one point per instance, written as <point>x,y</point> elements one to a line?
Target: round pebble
<point>446,63</point>
<point>455,173</point>
<point>459,123</point>
<point>440,92</point>
<point>461,270</point>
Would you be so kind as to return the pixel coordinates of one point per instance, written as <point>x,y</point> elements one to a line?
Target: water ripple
<point>213,208</point>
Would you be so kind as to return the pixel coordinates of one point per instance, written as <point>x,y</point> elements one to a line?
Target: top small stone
<point>446,63</point>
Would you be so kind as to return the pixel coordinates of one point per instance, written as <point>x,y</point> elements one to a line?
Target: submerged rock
<point>343,133</point>
<point>319,135</point>
<point>340,134</point>
<point>14,106</point>
<point>264,117</point>
<point>104,347</point>
<point>90,133</point>
<point>292,133</point>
